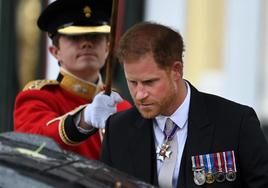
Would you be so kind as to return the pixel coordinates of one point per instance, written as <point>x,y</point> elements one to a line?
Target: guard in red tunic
<point>69,109</point>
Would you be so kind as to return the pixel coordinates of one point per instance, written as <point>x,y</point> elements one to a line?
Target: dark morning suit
<point>214,125</point>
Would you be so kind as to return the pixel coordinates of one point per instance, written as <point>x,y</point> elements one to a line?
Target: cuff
<point>70,133</point>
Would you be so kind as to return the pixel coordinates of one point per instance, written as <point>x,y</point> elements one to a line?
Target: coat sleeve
<point>46,113</point>
<point>32,113</point>
<point>39,112</point>
<point>253,152</point>
<point>105,155</point>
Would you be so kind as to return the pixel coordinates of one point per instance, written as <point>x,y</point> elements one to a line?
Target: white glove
<point>96,113</point>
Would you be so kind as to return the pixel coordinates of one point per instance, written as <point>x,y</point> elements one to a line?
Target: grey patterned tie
<point>166,172</point>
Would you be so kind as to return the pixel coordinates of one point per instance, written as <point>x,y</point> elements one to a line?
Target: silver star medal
<point>163,152</point>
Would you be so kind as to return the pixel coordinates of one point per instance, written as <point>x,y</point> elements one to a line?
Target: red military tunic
<point>43,106</point>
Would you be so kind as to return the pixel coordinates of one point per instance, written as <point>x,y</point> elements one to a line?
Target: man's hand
<point>96,113</point>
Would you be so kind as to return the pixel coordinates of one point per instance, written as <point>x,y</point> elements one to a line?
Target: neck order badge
<point>169,132</point>
<point>169,157</point>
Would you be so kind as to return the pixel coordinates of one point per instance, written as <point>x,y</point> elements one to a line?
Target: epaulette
<point>39,84</point>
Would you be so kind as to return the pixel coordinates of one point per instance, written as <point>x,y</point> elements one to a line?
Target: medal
<point>210,178</point>
<point>163,152</point>
<point>209,168</point>
<point>231,167</point>
<point>219,175</point>
<point>199,176</point>
<point>198,170</point>
<point>231,176</point>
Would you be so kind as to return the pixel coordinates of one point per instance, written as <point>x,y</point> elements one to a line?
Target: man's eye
<point>133,82</point>
<point>73,37</point>
<point>148,82</point>
<point>89,37</point>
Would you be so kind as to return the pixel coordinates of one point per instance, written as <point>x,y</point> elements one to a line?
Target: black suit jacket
<point>214,125</point>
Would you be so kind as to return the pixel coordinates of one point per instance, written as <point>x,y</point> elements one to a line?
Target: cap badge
<point>87,11</point>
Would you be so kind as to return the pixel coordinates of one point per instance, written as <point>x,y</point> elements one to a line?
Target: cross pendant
<point>163,152</point>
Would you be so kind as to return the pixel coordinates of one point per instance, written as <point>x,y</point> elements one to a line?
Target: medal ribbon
<point>231,161</point>
<point>201,161</point>
<point>171,135</point>
<point>233,158</point>
<point>164,151</point>
<point>206,162</point>
<point>197,162</point>
<point>212,164</point>
<point>225,162</point>
<point>217,162</point>
<point>193,162</point>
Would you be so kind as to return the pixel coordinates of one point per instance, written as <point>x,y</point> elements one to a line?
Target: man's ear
<point>177,69</point>
<point>54,51</point>
<point>107,49</point>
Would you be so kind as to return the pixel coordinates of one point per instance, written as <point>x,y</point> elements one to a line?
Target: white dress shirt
<point>180,117</point>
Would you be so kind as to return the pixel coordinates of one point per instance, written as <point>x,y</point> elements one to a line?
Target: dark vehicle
<point>35,161</point>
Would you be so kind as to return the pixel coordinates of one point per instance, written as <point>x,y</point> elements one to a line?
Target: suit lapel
<point>199,137</point>
<point>142,150</point>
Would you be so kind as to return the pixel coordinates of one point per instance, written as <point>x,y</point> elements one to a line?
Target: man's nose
<point>141,93</point>
<point>86,42</point>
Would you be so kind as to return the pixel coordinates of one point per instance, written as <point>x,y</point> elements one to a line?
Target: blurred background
<point>226,46</point>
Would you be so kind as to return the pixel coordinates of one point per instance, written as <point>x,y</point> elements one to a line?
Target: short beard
<point>165,107</point>
<point>148,115</point>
